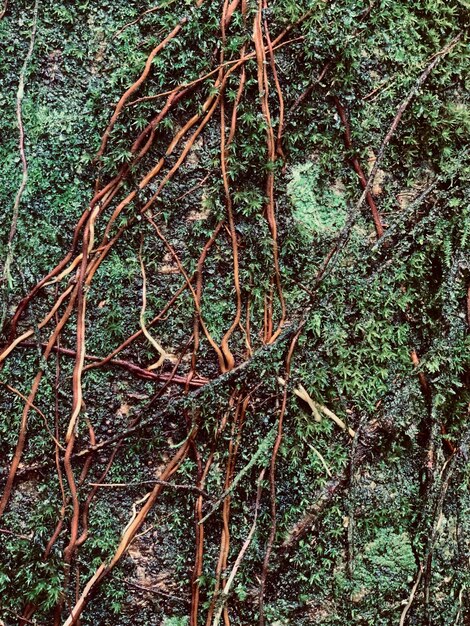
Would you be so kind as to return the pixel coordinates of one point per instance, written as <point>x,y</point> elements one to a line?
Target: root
<point>252,336</point>
<point>7,278</point>
<point>163,354</point>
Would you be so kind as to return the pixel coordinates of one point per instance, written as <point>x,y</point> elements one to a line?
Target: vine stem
<point>358,169</point>
<point>241,554</point>
<point>130,532</point>
<point>133,88</point>
<point>4,9</point>
<point>272,482</point>
<point>24,163</point>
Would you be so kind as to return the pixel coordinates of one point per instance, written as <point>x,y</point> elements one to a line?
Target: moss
<point>316,208</point>
<point>376,302</point>
<point>385,567</point>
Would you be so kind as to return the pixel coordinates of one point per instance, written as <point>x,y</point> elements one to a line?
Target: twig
<point>414,204</point>
<point>445,476</point>
<point>322,460</point>
<point>127,365</point>
<point>224,595</point>
<point>264,445</point>
<point>411,597</point>
<point>157,591</point>
<point>339,422</point>
<point>343,236</point>
<point>19,117</point>
<point>316,408</point>
<point>140,17</point>
<point>20,617</point>
<point>5,531</point>
<point>272,483</point>
<point>459,613</point>
<point>384,85</point>
<point>352,504</point>
<point>357,167</point>
<point>201,492</point>
<point>310,87</point>
<point>134,512</point>
<point>35,408</point>
<point>163,354</point>
<point>402,108</point>
<point>468,306</point>
<point>136,85</point>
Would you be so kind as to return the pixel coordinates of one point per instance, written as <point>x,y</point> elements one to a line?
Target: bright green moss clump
<point>317,209</point>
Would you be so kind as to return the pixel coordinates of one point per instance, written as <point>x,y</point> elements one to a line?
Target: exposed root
<point>7,278</point>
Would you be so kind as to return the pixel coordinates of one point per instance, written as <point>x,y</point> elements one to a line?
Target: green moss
<point>316,208</point>
<point>385,566</point>
<point>375,303</point>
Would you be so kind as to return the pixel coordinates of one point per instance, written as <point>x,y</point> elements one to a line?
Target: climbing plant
<point>234,308</point>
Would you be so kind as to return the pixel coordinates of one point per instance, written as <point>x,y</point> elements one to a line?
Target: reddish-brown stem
<point>60,522</point>
<point>272,482</point>
<point>357,167</point>
<point>24,419</point>
<point>135,86</point>
<point>263,89</point>
<point>234,442</point>
<point>104,569</point>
